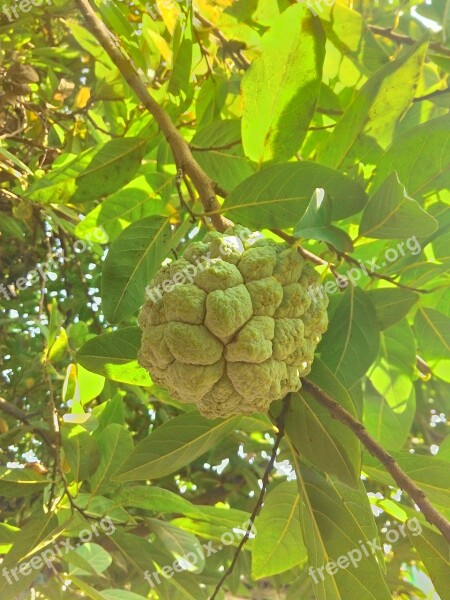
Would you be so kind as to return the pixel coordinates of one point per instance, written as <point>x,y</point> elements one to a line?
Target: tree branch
<point>182,154</point>
<point>432,95</point>
<point>265,482</point>
<point>20,415</point>
<point>399,38</point>
<point>403,480</point>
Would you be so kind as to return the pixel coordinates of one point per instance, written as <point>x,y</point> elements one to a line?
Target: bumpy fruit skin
<point>242,328</point>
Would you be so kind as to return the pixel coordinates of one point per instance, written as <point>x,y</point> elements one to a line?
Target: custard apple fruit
<point>231,326</point>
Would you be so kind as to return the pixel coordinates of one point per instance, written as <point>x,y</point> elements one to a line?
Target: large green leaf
<point>394,371</point>
<point>147,558</point>
<point>179,544</point>
<point>391,304</point>
<point>280,91</point>
<point>133,259</point>
<point>279,195</point>
<point>432,330</point>
<point>336,520</point>
<point>390,427</point>
<point>371,118</point>
<point>323,441</point>
<point>389,413</point>
<point>174,445</point>
<point>144,196</point>
<point>431,474</point>
<point>115,444</point>
<point>390,213</point>
<point>81,451</point>
<point>350,33</point>
<point>278,545</point>
<point>433,333</point>
<point>114,355</point>
<point>97,172</point>
<point>15,483</point>
<point>222,157</point>
<point>351,343</point>
<point>434,552</point>
<point>420,158</point>
<point>37,533</point>
<point>156,499</point>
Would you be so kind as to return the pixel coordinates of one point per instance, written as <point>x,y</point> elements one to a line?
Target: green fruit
<point>231,326</point>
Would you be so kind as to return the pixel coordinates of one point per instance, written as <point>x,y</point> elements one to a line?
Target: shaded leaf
<point>96,172</point>
<point>133,259</point>
<point>352,341</point>
<point>114,355</point>
<point>278,543</point>
<point>279,195</point>
<point>173,445</point>
<point>390,213</point>
<point>372,116</point>
<point>279,91</point>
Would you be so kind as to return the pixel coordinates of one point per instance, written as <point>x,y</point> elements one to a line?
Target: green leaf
<point>394,371</point>
<point>114,594</point>
<point>389,410</point>
<point>16,483</point>
<point>114,355</point>
<point>96,172</point>
<point>391,428</point>
<point>89,558</point>
<point>377,107</point>
<point>278,544</point>
<point>144,196</point>
<point>81,451</point>
<point>418,155</point>
<point>7,536</point>
<point>179,544</point>
<point>280,91</point>
<point>279,195</point>
<point>434,552</point>
<point>349,32</point>
<point>133,259</point>
<point>39,531</point>
<point>326,443</point>
<point>352,341</point>
<point>142,556</point>
<point>391,304</point>
<point>224,161</point>
<point>336,519</point>
<point>431,474</point>
<point>433,333</point>
<point>115,444</point>
<point>390,213</point>
<point>156,499</point>
<point>174,445</point>
<point>316,224</point>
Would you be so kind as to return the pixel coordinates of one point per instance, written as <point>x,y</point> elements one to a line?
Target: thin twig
<point>432,95</point>
<point>259,504</point>
<point>399,38</point>
<point>403,480</point>
<point>20,415</point>
<point>215,148</point>
<point>182,153</point>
